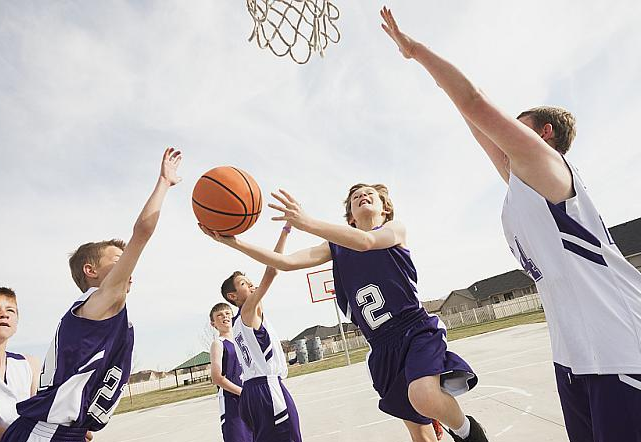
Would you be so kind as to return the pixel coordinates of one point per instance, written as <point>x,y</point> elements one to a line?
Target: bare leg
<point>421,433</point>
<point>428,399</point>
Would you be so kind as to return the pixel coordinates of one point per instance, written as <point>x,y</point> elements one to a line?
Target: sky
<point>91,94</point>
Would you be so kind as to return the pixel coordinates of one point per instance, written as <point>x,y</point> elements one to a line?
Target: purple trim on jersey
<point>264,341</point>
<point>231,368</point>
<point>21,429</point>
<point>257,410</point>
<point>567,224</point>
<point>585,253</point>
<point>15,356</point>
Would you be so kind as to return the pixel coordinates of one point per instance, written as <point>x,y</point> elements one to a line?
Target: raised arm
<point>110,297</point>
<point>498,158</point>
<point>389,235</point>
<point>302,259</point>
<point>531,158</point>
<point>251,311</point>
<point>216,356</point>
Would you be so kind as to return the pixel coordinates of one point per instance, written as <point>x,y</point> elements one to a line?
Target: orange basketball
<point>227,200</point>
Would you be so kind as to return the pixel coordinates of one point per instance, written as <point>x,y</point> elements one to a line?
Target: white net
<point>294,27</point>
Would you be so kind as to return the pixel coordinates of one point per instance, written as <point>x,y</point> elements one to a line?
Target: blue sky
<point>90,94</point>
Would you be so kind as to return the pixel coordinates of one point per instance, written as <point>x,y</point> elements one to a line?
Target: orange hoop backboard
<point>321,285</point>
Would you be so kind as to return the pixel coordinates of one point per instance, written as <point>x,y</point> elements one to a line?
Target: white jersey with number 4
<point>258,351</point>
<point>591,294</point>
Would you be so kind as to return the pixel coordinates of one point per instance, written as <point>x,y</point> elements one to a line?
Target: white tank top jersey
<point>259,351</point>
<point>591,294</point>
<point>15,387</point>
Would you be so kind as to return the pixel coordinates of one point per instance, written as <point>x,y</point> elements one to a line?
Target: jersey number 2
<point>371,300</point>
<point>103,404</point>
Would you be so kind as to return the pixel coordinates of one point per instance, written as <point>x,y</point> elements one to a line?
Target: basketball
<point>227,200</point>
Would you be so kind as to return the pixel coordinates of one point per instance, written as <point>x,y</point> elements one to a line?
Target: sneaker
<point>477,433</point>
<point>438,429</point>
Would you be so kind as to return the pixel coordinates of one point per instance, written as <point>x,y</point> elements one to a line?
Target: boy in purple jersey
<point>375,282</point>
<point>226,372</point>
<point>89,360</point>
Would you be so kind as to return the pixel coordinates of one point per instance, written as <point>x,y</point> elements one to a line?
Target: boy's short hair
<point>383,193</point>
<point>9,293</point>
<point>89,253</point>
<point>562,121</point>
<point>228,286</point>
<point>218,308</point>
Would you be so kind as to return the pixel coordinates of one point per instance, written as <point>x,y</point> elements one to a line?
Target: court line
<point>548,361</point>
<point>331,389</point>
<point>505,430</point>
<point>510,355</point>
<point>377,422</point>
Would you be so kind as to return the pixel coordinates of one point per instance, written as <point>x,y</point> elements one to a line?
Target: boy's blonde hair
<point>89,253</point>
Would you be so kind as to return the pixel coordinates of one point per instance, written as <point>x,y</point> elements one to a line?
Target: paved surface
<point>516,400</point>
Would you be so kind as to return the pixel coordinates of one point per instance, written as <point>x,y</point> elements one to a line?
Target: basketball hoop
<point>321,288</point>
<point>294,27</point>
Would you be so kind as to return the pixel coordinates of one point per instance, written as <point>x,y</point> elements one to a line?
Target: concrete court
<point>515,400</point>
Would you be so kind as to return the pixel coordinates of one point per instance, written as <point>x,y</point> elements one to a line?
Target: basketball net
<point>294,27</point>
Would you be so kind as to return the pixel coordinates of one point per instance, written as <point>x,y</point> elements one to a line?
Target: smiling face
<point>8,317</point>
<point>221,320</point>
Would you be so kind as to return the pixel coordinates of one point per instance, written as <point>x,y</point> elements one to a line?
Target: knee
<point>426,400</point>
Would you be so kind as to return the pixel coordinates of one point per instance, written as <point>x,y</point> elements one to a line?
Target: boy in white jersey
<point>89,360</point>
<point>226,372</point>
<point>591,294</point>
<point>265,404</point>
<point>375,281</point>
<point>18,373</point>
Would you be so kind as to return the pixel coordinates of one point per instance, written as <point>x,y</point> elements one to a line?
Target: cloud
<point>90,95</point>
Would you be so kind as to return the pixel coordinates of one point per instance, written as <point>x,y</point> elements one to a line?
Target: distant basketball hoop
<point>321,285</point>
<point>321,288</point>
<point>294,27</point>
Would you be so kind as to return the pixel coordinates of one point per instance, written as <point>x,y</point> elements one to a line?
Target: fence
<point>162,383</point>
<point>491,312</point>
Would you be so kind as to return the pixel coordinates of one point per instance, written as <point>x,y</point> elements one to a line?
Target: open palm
<point>169,168</point>
<point>404,43</point>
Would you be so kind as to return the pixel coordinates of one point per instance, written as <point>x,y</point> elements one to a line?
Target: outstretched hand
<point>405,44</point>
<point>169,168</point>
<point>227,240</point>
<point>292,211</point>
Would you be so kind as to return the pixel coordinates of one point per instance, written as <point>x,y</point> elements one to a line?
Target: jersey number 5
<point>371,300</point>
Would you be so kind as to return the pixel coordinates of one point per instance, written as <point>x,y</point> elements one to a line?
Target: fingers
<point>286,202</point>
<point>276,207</point>
<point>279,218</point>
<point>175,156</point>
<point>288,196</point>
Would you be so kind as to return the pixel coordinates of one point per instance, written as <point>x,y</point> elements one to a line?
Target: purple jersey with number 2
<point>84,372</point>
<point>374,289</point>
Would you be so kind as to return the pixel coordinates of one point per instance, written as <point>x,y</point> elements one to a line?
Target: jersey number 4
<point>371,300</point>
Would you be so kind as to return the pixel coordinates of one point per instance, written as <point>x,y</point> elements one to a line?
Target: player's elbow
<point>288,265</point>
<point>475,104</point>
<point>365,244</point>
<point>143,230</point>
